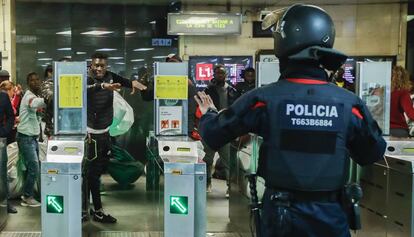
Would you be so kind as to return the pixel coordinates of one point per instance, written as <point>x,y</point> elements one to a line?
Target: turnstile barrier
<point>184,187</point>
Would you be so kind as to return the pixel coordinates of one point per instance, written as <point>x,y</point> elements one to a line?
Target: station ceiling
<point>253,3</point>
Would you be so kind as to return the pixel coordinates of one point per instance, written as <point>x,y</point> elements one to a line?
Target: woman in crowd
<point>400,102</point>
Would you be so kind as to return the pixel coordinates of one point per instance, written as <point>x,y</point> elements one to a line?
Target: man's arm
<point>135,85</point>
<point>123,81</point>
<point>92,86</point>
<point>246,115</point>
<point>36,103</point>
<point>365,142</point>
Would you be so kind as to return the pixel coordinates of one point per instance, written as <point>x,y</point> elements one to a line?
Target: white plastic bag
<point>123,116</point>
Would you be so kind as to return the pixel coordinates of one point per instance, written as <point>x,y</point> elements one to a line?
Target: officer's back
<point>310,129</point>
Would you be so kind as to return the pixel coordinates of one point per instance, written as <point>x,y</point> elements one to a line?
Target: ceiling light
<point>137,60</point>
<point>40,52</point>
<point>67,32</point>
<point>153,22</point>
<point>120,63</point>
<point>80,52</point>
<point>106,49</point>
<point>115,58</point>
<point>88,60</point>
<point>130,32</point>
<point>143,49</point>
<point>68,56</point>
<point>64,49</point>
<point>97,32</point>
<point>45,59</point>
<point>159,57</point>
<point>135,68</point>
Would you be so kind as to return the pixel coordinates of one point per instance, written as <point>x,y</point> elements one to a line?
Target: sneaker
<point>11,209</point>
<point>85,216</point>
<point>227,193</point>
<point>209,189</point>
<point>100,216</point>
<point>30,202</point>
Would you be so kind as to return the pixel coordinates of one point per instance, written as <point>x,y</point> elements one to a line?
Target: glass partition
<point>134,37</point>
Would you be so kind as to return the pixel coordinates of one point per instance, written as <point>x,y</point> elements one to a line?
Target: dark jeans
<point>3,167</point>
<point>94,167</point>
<point>29,151</point>
<point>305,219</point>
<point>224,153</point>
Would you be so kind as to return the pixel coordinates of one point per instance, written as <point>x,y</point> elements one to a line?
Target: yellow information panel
<point>70,91</point>
<point>171,87</point>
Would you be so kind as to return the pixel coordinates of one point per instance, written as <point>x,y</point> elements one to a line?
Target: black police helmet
<point>301,26</point>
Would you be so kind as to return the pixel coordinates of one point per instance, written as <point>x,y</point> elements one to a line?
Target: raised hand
<point>204,102</point>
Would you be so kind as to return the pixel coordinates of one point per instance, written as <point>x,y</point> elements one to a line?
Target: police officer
<point>310,128</point>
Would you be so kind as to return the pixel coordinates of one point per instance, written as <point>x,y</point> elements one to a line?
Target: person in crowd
<point>310,128</point>
<point>6,126</point>
<point>100,86</point>
<point>340,81</point>
<point>15,95</point>
<point>400,102</point>
<point>222,95</point>
<point>4,75</point>
<point>48,75</point>
<point>249,83</point>
<point>28,131</point>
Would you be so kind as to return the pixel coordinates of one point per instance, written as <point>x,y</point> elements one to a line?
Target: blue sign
<point>311,115</point>
<point>161,42</point>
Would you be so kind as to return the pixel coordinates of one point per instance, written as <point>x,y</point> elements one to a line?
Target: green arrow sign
<point>179,205</point>
<point>54,204</point>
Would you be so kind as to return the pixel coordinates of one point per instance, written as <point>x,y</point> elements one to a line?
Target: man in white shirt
<point>27,133</point>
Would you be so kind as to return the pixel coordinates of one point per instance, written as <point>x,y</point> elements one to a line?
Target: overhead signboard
<point>204,23</point>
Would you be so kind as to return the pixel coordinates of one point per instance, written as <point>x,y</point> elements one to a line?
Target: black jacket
<point>212,91</point>
<point>6,115</point>
<point>243,87</point>
<point>100,101</point>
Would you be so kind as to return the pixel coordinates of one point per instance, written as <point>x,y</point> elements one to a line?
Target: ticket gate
<point>61,176</point>
<point>387,204</point>
<point>184,187</point>
<point>61,180</point>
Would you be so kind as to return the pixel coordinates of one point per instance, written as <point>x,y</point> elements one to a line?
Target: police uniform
<point>310,129</point>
